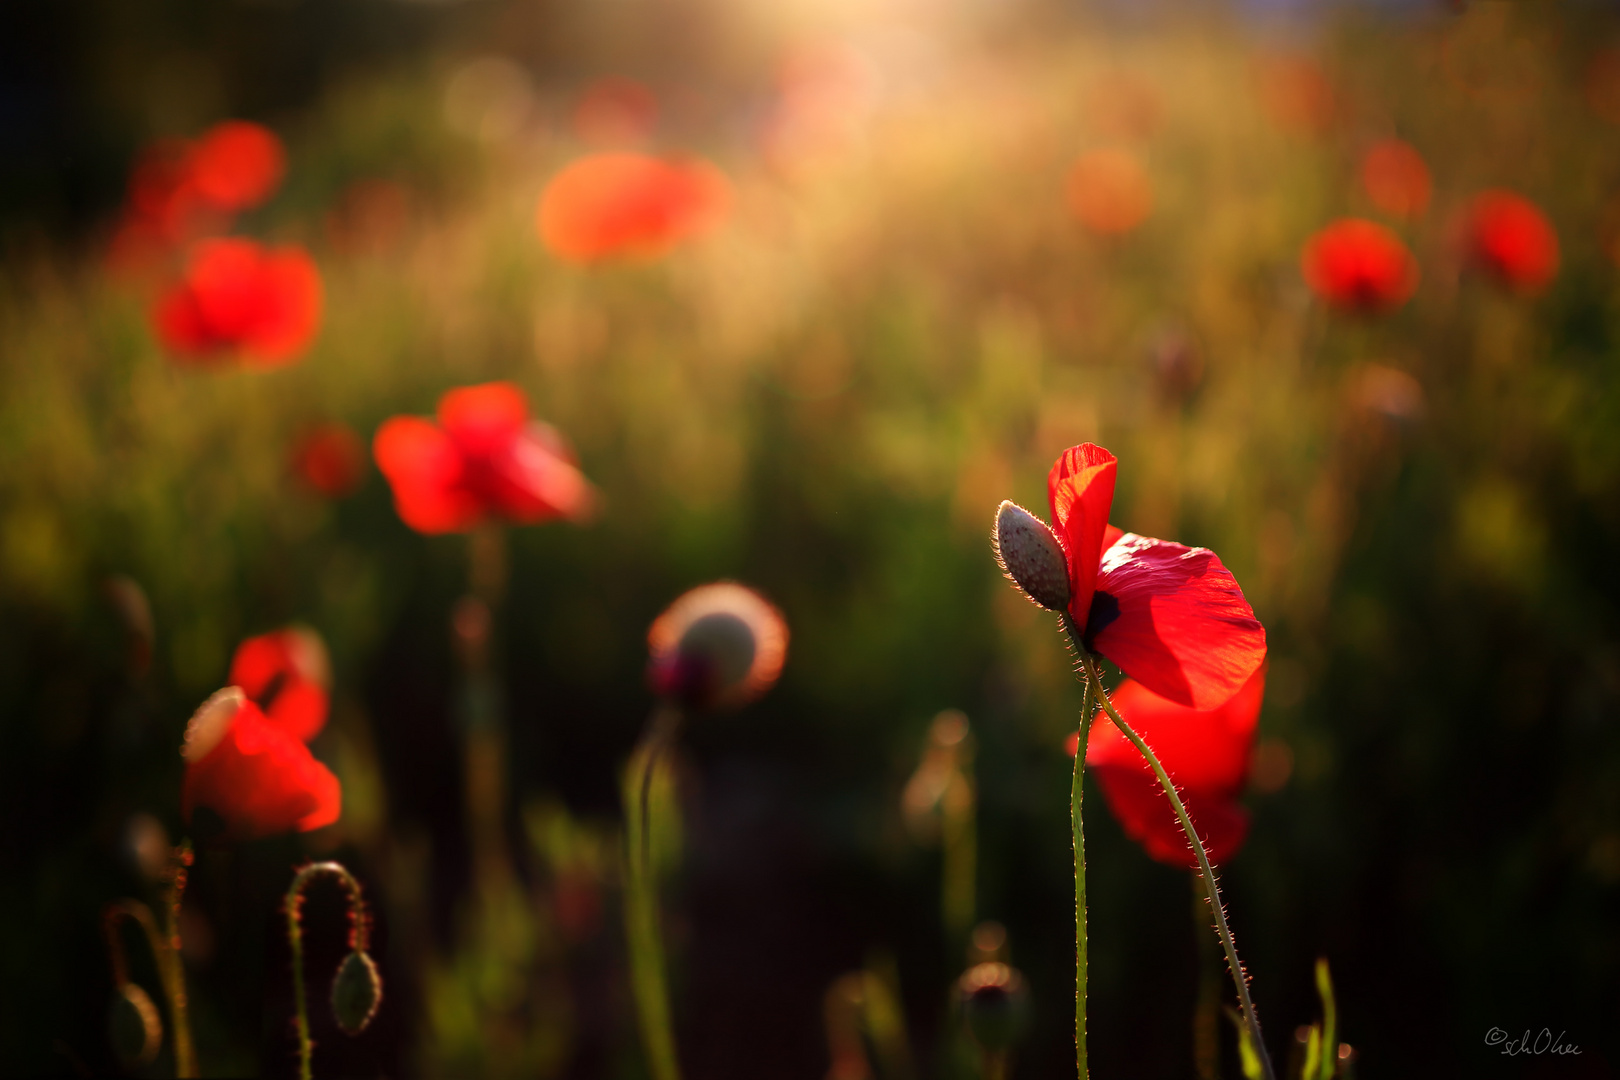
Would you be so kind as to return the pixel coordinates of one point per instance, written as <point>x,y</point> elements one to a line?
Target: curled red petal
<point>1081,489</point>
<point>259,780</point>
<point>1173,618</point>
<point>285,673</point>
<point>424,468</point>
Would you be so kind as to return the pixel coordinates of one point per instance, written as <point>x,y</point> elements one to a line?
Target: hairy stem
<point>359,935</point>
<point>174,972</point>
<point>1081,945</point>
<point>1211,887</point>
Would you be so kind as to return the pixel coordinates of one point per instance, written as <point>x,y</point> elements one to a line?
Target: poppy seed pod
<point>718,645</point>
<point>995,1005</point>
<point>1029,554</point>
<point>134,1027</point>
<point>356,993</point>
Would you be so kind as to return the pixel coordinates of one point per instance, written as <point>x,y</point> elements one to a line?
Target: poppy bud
<point>720,644</point>
<point>995,1005</point>
<point>356,993</point>
<point>133,1027</point>
<point>1031,557</point>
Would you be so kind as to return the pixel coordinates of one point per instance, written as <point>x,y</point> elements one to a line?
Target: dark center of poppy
<point>1104,610</point>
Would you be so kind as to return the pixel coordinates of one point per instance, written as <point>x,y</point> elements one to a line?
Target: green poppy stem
<point>1081,946</point>
<point>643,923</point>
<point>359,935</point>
<point>1212,888</point>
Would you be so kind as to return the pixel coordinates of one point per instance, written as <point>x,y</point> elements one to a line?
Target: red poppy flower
<point>261,303</point>
<point>286,673</point>
<point>1358,265</point>
<point>255,777</point>
<point>1170,616</point>
<point>1109,191</point>
<point>237,164</point>
<point>1396,178</point>
<point>622,204</point>
<point>1207,753</point>
<point>1512,240</point>
<point>330,459</point>
<point>484,458</point>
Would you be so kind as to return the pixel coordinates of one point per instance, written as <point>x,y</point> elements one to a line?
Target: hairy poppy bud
<point>1031,557</point>
<point>995,1005</point>
<point>356,993</point>
<point>718,645</point>
<point>133,1027</point>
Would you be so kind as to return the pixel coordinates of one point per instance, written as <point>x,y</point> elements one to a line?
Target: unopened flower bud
<point>718,645</point>
<point>995,1005</point>
<point>1031,557</point>
<point>356,993</point>
<point>134,1027</point>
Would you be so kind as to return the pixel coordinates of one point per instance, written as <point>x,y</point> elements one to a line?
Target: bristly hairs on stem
<point>165,945</point>
<point>1240,977</point>
<point>357,987</point>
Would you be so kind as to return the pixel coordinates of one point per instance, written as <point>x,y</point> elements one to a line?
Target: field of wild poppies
<point>587,544</point>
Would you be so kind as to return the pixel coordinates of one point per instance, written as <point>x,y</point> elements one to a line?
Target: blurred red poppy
<point>1170,616</point>
<point>286,673</point>
<point>1396,178</point>
<point>237,164</point>
<point>484,459</point>
<point>1358,265</point>
<point>1109,191</point>
<point>263,304</point>
<point>1207,753</point>
<point>180,189</point>
<point>1296,93</point>
<point>629,205</point>
<point>330,458</point>
<point>254,777</point>
<point>1512,240</point>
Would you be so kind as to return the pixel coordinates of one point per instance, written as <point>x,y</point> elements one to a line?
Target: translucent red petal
<point>1174,619</point>
<point>261,781</point>
<point>1081,489</point>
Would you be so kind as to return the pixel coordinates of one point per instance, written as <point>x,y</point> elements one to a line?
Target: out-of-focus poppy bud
<point>264,304</point>
<point>1511,239</point>
<point>617,205</point>
<point>356,993</point>
<point>1359,266</point>
<point>237,164</point>
<point>331,459</point>
<point>485,458</point>
<point>995,1005</point>
<point>253,777</point>
<point>134,1027</point>
<point>1396,178</point>
<point>1109,191</point>
<point>287,674</point>
<point>717,646</point>
<point>1029,554</point>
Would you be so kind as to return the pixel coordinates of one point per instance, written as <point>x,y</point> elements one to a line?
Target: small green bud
<point>995,1005</point>
<point>356,993</point>
<point>134,1027</point>
<point>1031,557</point>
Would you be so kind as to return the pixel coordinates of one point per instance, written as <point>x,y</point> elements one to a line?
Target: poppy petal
<point>1206,753</point>
<point>258,780</point>
<point>483,420</point>
<point>424,468</point>
<point>538,483</point>
<point>1081,489</point>
<point>288,313</point>
<point>1173,618</point>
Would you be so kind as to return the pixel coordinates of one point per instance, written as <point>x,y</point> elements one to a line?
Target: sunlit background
<point>902,254</point>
